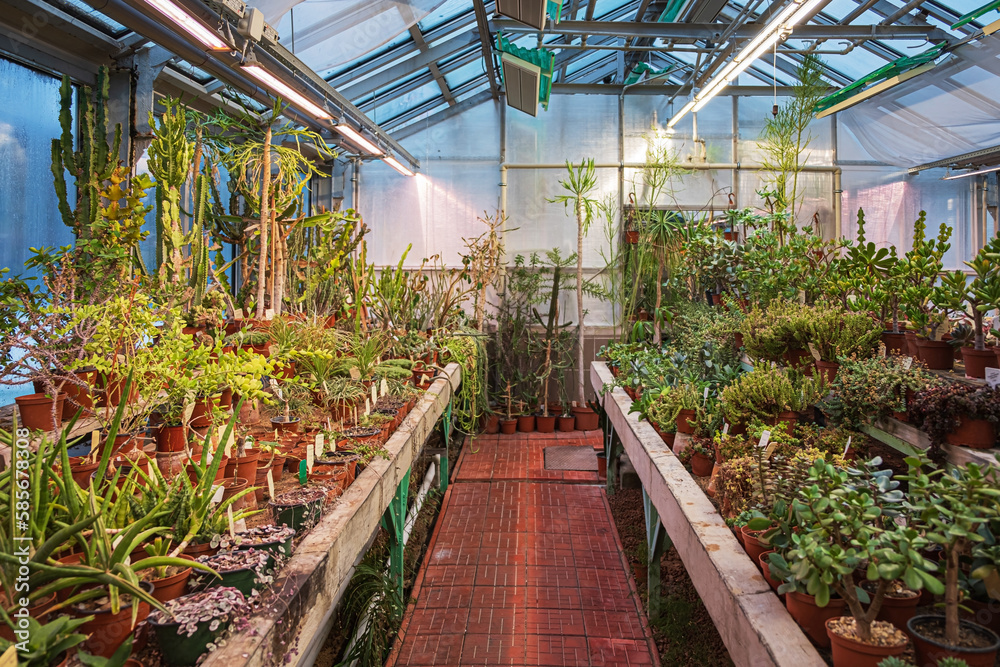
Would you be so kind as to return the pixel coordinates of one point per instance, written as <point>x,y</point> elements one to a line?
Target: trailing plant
<point>867,391</point>
<point>940,408</point>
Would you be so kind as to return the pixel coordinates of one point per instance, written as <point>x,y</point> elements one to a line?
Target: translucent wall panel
<point>754,112</point>
<point>715,129</point>
<point>575,127</point>
<point>815,197</point>
<point>29,121</point>
<point>892,201</point>
<point>696,190</point>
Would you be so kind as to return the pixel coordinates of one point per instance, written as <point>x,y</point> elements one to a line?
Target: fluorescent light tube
<point>680,114</point>
<point>282,89</point>
<point>394,163</point>
<point>189,24</point>
<point>355,138</point>
<point>970,173</point>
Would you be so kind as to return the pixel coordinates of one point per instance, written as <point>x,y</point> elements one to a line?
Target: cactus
<point>93,163</point>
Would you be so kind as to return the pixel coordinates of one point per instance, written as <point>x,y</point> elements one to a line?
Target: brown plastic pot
<point>220,474</point>
<point>196,550</point>
<point>911,349</point>
<point>799,358</point>
<point>930,651</point>
<point>895,343</point>
<point>898,610</point>
<point>107,631</point>
<point>545,424</point>
<point>765,569</point>
<point>977,361</point>
<point>281,426</point>
<point>566,423</point>
<point>232,486</point>
<point>81,471</point>
<point>243,466</point>
<point>586,419</point>
<point>508,426</point>
<point>683,422</point>
<point>36,412</point>
<point>172,587</point>
<point>38,611</point>
<point>492,425</point>
<point>973,433</point>
<point>850,653</point>
<point>171,438</point>
<point>828,369</point>
<point>526,423</point>
<point>201,415</point>
<point>753,545</point>
<point>701,465</point>
<point>936,354</point>
<point>812,619</point>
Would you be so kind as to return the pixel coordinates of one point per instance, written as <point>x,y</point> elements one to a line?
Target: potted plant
<point>974,299</point>
<point>951,508</point>
<point>192,625</point>
<point>837,521</point>
<point>275,539</point>
<point>47,645</point>
<point>871,390</point>
<point>921,295</point>
<point>958,414</point>
<point>245,570</point>
<point>701,458</point>
<point>837,335</point>
<point>299,509</point>
<point>508,423</point>
<point>764,394</point>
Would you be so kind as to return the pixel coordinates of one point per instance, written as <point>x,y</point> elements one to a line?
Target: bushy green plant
<point>762,394</point>
<point>770,332</point>
<point>836,334</point>
<point>869,390</point>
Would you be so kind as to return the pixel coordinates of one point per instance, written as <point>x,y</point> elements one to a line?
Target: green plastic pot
<point>179,649</point>
<point>244,580</point>
<point>299,515</point>
<point>277,548</point>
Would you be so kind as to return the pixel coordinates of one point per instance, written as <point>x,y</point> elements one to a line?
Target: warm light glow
<point>763,42</point>
<point>355,138</point>
<point>278,87</point>
<point>394,163</point>
<point>189,24</point>
<point>971,173</point>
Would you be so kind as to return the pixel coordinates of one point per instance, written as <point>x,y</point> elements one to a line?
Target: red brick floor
<point>524,568</point>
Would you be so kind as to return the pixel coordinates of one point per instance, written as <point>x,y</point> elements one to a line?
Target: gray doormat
<point>570,458</point>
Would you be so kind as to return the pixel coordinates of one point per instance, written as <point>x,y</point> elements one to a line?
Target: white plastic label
<point>993,377</point>
<point>270,485</point>
<point>320,445</point>
<point>310,458</point>
<point>765,437</point>
<point>848,445</point>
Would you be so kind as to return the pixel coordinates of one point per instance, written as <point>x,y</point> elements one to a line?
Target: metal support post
<point>444,473</point>
<point>612,449</point>
<point>657,542</point>
<point>393,521</point>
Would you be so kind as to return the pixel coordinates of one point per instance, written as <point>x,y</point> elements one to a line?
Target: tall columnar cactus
<point>95,160</point>
<point>170,156</point>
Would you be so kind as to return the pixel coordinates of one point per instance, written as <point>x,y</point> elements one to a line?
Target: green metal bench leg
<point>612,449</point>
<point>444,473</point>
<point>658,542</point>
<point>393,521</point>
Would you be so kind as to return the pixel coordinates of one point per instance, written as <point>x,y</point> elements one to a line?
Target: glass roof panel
<point>399,105</point>
<point>400,39</point>
<point>464,74</point>
<point>94,17</point>
<point>838,9</point>
<point>445,13</point>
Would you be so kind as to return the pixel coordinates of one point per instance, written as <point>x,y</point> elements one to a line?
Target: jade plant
<point>921,267</point>
<point>841,520</point>
<point>951,508</point>
<point>973,298</point>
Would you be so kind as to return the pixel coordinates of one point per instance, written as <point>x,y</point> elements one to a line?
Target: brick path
<point>524,568</point>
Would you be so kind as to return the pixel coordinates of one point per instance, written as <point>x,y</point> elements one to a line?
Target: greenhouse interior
<point>404,333</point>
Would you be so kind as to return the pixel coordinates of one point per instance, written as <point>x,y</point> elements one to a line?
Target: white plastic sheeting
<point>948,111</point>
<point>327,33</point>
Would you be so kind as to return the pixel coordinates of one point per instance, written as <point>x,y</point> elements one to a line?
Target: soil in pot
<point>937,354</point>
<point>977,645</point>
<point>898,605</point>
<point>586,419</point>
<point>107,631</point>
<point>849,651</point>
<point>974,433</point>
<point>182,645</point>
<point>526,423</point>
<point>566,423</point>
<point>298,509</point>
<point>171,586</point>
<point>35,412</point>
<point>508,426</point>
<point>684,424</point>
<point>545,424</point>
<point>812,619</point>
<point>977,361</point>
<point>701,465</point>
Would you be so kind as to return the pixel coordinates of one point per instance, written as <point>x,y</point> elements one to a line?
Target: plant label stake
<point>765,437</point>
<point>303,472</point>
<point>94,439</point>
<point>310,458</point>
<point>229,517</point>
<point>383,387</point>
<point>847,446</point>
<point>368,407</point>
<point>814,352</point>
<point>270,485</point>
<point>907,363</point>
<point>355,373</point>
<point>320,445</point>
<point>725,428</point>
<point>269,314</point>
<point>704,397</point>
<point>374,394</point>
<point>9,657</point>
<point>993,377</point>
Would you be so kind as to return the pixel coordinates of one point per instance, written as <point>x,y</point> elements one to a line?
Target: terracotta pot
<point>226,399</point>
<point>342,410</point>
<point>937,354</point>
<point>526,423</point>
<point>996,352</point>
<point>201,415</point>
<point>586,419</point>
<point>849,653</point>
<point>171,463</point>
<point>812,619</point>
<point>77,395</point>
<point>171,438</point>
<point>701,465</point>
<point>683,425</point>
<point>128,442</point>
<point>35,412</point>
<point>930,651</point>
<point>956,351</point>
<point>38,611</point>
<point>277,467</point>
<point>895,343</point>
<point>545,424</point>
<point>632,236</point>
<point>114,387</point>
<point>738,337</point>
<point>260,483</point>
<point>82,472</point>
<point>789,419</point>
<point>986,614</point>
<point>172,587</point>
<point>282,426</point>
<point>898,610</point>
<point>765,569</point>
<point>602,465</point>
<point>234,485</point>
<point>974,433</point>
<point>799,359</point>
<point>828,369</point>
<point>566,423</point>
<point>196,550</point>
<point>977,361</point>
<point>220,474</point>
<point>492,424</point>
<point>107,631</point>
<point>910,348</point>
<point>753,545</point>
<point>243,466</point>
<point>508,426</point>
